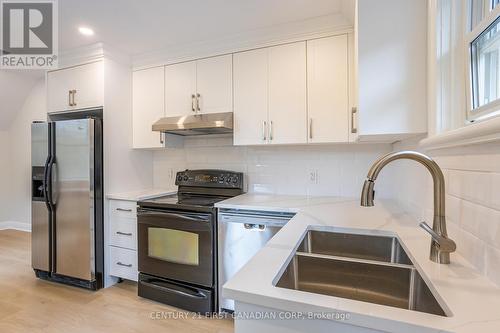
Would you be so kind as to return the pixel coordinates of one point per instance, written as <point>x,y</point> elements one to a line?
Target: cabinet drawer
<point>123,263</point>
<point>123,232</point>
<point>127,209</point>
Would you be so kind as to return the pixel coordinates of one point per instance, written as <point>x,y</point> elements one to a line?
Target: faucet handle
<point>445,244</point>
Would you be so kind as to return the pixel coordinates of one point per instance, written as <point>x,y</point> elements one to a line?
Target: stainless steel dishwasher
<point>241,234</point>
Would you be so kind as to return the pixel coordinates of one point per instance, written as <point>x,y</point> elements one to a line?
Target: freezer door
<point>39,144</point>
<point>40,240</point>
<point>74,197</point>
<point>40,215</point>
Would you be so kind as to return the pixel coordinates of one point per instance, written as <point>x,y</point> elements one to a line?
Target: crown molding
<point>90,53</point>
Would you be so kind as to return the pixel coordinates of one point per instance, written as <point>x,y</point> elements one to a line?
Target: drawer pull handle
<point>124,265</point>
<point>124,210</point>
<point>124,233</point>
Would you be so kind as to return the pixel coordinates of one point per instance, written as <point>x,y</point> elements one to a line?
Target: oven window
<point>173,245</point>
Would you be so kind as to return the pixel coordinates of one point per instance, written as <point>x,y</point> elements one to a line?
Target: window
<point>483,45</point>
<point>485,66</point>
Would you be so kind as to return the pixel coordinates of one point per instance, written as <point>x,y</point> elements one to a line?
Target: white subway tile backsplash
<point>453,207</point>
<point>493,264</point>
<point>472,176</point>
<point>340,169</point>
<point>472,248</point>
<point>470,185</point>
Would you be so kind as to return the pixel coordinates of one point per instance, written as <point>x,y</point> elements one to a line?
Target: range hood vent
<point>200,124</point>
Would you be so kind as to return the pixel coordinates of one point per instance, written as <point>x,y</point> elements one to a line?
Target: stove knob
<point>186,178</point>
<point>221,179</point>
<point>235,180</point>
<point>229,180</point>
<point>179,178</point>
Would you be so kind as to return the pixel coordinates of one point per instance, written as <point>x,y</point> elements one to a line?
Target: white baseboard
<point>21,226</point>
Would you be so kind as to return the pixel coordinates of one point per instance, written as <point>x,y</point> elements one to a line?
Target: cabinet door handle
<point>70,92</point>
<point>161,138</point>
<point>264,130</point>
<point>124,233</point>
<point>310,128</point>
<point>193,108</point>
<point>124,265</point>
<point>354,129</point>
<point>73,97</point>
<point>198,96</point>
<point>271,131</point>
<point>124,210</point>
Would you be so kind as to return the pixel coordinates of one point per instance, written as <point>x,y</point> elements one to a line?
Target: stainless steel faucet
<point>441,245</point>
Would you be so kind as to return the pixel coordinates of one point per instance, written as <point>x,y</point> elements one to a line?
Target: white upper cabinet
<point>214,79</point>
<point>251,97</point>
<point>148,106</point>
<point>180,89</point>
<point>287,94</point>
<point>270,95</point>
<point>201,86</point>
<point>77,87</point>
<point>328,89</point>
<point>392,52</point>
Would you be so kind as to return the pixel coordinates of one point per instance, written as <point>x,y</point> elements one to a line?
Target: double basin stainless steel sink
<point>369,268</point>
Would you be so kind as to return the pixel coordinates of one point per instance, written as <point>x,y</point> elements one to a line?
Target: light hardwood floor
<point>30,305</point>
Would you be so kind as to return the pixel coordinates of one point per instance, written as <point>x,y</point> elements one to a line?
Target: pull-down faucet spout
<point>441,245</point>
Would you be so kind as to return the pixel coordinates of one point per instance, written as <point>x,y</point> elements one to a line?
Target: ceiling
<point>142,26</point>
<point>138,27</point>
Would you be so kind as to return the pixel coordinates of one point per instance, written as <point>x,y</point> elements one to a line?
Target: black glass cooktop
<point>187,202</point>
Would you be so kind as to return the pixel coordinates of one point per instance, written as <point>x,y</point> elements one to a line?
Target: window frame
<point>490,15</point>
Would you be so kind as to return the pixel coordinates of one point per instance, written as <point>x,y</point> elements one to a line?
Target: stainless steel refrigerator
<point>67,201</point>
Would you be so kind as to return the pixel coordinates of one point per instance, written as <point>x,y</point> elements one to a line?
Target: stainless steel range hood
<point>200,124</point>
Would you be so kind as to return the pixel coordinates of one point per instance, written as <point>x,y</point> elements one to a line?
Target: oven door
<point>177,245</point>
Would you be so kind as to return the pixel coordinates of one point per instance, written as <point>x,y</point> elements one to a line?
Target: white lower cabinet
<point>123,263</point>
<point>123,239</point>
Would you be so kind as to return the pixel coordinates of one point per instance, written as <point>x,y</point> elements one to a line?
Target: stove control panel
<point>210,178</point>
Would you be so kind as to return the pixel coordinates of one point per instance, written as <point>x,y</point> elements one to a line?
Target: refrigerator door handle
<point>46,181</point>
<point>50,182</point>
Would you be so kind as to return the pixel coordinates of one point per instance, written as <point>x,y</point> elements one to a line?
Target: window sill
<point>477,133</point>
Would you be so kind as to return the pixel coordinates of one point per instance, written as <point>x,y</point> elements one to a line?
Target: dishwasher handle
<point>254,222</point>
<point>256,227</point>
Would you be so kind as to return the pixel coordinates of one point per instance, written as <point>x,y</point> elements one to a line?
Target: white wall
<point>279,169</point>
<point>472,199</point>
<point>4,176</point>
<point>19,156</point>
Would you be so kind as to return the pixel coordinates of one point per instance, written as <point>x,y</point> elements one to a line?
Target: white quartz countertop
<point>275,203</point>
<point>471,301</point>
<point>140,195</point>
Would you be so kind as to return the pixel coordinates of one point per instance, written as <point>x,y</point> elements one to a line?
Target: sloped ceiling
<point>138,27</point>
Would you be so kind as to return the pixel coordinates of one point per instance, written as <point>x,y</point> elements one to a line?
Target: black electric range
<point>177,240</point>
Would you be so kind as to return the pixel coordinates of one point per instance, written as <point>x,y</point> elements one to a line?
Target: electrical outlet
<point>313,176</point>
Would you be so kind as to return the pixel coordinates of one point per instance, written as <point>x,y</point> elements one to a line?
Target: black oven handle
<point>205,218</point>
<point>183,291</point>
